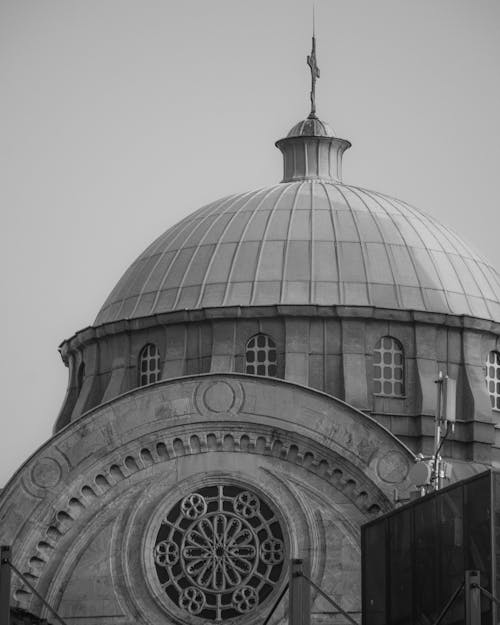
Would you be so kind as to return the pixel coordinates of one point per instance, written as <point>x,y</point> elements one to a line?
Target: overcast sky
<point>119,117</point>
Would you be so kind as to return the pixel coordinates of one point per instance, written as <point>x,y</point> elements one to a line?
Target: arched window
<point>149,365</point>
<point>261,356</point>
<point>388,368</point>
<point>493,379</point>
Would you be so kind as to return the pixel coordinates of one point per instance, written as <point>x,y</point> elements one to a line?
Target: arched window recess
<point>493,378</point>
<point>149,365</point>
<point>388,368</point>
<point>260,356</point>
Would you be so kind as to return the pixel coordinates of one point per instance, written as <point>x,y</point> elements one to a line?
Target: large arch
<point>82,511</point>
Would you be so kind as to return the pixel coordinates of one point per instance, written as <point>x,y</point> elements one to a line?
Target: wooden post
<point>5,574</point>
<point>300,594</point>
<point>472,598</point>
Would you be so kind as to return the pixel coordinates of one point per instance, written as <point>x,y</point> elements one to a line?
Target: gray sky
<point>119,117</point>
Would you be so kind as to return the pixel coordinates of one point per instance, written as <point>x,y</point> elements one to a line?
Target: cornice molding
<point>95,333</point>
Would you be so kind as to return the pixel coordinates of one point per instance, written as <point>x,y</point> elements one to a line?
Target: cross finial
<point>311,61</point>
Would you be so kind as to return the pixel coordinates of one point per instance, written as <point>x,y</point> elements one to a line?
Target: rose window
<point>219,552</point>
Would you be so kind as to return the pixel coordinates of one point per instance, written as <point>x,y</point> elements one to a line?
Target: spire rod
<point>313,65</point>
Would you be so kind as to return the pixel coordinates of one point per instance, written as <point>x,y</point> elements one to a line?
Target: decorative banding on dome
<point>310,242</point>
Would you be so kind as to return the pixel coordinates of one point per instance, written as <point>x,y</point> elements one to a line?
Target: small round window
<point>219,552</point>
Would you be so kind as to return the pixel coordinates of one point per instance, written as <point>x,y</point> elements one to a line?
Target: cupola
<point>311,149</point>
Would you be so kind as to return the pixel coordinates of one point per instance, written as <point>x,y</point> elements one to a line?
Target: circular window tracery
<point>219,552</point>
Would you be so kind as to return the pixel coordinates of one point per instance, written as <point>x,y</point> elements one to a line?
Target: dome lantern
<point>311,150</point>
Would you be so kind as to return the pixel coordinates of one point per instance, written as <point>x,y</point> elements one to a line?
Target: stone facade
<point>325,348</point>
<point>83,513</point>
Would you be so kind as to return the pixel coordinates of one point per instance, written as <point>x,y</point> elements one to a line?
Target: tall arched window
<point>149,365</point>
<point>388,368</point>
<point>493,379</point>
<point>261,356</point>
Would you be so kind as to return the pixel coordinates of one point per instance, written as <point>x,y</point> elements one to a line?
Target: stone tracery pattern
<point>219,552</point>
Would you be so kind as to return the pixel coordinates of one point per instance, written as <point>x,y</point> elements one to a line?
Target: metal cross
<point>311,61</point>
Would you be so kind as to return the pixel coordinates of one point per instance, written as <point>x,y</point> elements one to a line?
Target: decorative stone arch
<point>327,466</point>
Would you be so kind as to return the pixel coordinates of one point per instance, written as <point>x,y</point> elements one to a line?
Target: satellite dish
<point>420,474</point>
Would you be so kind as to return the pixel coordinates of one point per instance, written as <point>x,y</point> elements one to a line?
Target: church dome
<point>309,282</point>
<point>308,241</point>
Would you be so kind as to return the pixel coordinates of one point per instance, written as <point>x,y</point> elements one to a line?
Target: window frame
<point>395,349</point>
<point>493,355</point>
<point>267,348</point>
<point>148,356</point>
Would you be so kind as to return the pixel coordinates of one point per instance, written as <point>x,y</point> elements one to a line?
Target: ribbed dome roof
<point>311,127</point>
<point>307,242</point>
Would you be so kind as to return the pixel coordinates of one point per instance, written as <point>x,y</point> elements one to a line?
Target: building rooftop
<point>312,241</point>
